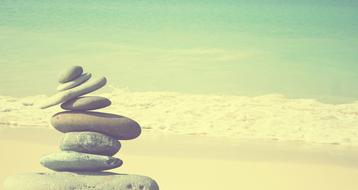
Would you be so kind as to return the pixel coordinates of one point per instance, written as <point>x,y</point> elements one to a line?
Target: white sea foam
<point>269,117</point>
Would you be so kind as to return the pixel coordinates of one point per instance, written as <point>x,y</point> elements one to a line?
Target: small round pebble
<point>86,103</point>
<point>64,96</point>
<point>90,142</point>
<point>76,82</point>
<point>70,74</point>
<point>76,161</point>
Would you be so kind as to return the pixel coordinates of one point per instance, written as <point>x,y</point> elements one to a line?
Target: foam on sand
<point>269,117</point>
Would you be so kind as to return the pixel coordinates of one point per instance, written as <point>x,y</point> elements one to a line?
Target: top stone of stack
<point>73,84</point>
<point>70,74</point>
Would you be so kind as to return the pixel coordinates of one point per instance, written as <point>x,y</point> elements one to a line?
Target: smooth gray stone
<point>69,74</point>
<point>116,126</point>
<point>76,161</point>
<point>90,142</point>
<point>86,103</point>
<point>76,82</point>
<point>79,181</point>
<point>64,96</point>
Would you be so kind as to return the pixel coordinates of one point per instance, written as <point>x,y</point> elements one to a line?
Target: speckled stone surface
<point>76,161</point>
<point>79,181</point>
<point>90,142</point>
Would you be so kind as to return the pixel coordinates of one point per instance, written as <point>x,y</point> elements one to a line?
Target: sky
<point>299,49</point>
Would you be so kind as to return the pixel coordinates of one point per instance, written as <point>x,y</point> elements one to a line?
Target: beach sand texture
<point>186,162</point>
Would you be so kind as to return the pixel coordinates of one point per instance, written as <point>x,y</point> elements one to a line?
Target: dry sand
<point>180,162</point>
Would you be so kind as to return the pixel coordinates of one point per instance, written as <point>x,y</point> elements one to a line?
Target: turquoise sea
<point>301,49</point>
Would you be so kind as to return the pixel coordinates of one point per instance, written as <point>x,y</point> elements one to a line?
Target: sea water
<point>301,49</point>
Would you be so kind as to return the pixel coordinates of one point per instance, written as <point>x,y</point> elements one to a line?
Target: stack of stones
<point>89,143</point>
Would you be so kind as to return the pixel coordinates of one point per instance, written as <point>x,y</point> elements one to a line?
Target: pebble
<point>76,82</point>
<point>90,142</point>
<point>76,161</point>
<point>86,103</point>
<point>119,127</point>
<point>75,92</point>
<point>70,74</point>
<point>79,181</point>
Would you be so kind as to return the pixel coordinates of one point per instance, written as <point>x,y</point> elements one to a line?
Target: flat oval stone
<point>71,84</point>
<point>116,126</point>
<point>86,103</point>
<point>70,74</point>
<point>76,161</point>
<point>79,181</point>
<point>90,142</point>
<point>75,92</point>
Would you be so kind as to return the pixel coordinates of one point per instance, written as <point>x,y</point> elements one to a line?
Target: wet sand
<point>195,162</point>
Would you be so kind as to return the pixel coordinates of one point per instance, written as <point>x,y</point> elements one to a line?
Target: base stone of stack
<point>79,181</point>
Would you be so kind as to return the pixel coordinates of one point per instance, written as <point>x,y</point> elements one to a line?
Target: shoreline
<point>271,117</point>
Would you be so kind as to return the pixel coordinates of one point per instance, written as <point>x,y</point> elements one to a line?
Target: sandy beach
<point>191,162</point>
<point>207,141</point>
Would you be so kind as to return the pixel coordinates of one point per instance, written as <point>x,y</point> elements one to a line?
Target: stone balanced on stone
<point>89,143</point>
